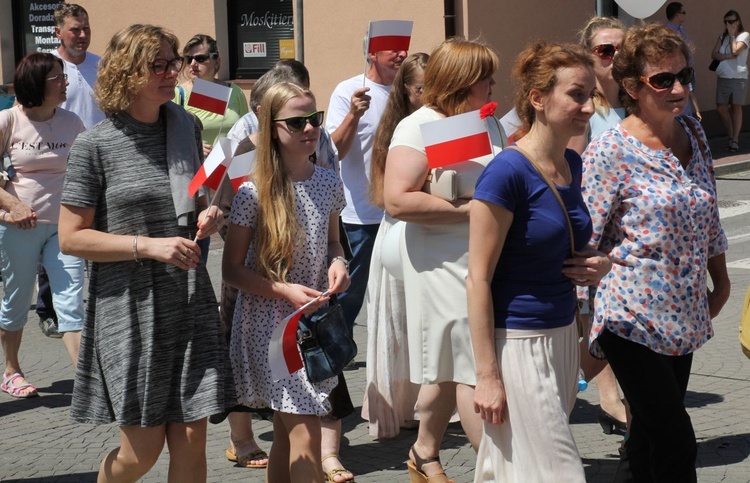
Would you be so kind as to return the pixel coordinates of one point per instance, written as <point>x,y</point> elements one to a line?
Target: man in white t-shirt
<point>74,32</point>
<point>352,119</point>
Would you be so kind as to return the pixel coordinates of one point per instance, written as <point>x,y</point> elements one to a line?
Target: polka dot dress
<point>256,317</point>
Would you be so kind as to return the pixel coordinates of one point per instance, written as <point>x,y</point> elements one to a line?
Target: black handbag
<point>714,65</point>
<point>325,343</point>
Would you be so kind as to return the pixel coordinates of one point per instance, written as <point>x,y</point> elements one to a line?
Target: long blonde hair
<point>397,108</point>
<point>278,232</point>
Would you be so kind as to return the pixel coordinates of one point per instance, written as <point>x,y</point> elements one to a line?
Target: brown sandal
<point>246,460</point>
<point>331,474</point>
<point>416,475</point>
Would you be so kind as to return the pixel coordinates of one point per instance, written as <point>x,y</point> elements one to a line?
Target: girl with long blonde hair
<point>282,251</point>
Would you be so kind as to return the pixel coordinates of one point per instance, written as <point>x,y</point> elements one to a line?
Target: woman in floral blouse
<point>650,188</point>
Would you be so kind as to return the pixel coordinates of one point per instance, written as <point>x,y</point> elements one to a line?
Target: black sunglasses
<point>201,58</point>
<point>730,21</point>
<point>297,123</point>
<point>665,80</point>
<point>605,51</point>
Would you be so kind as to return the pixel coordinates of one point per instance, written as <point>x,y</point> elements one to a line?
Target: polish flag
<point>389,35</point>
<point>455,139</point>
<point>240,168</point>
<point>209,96</point>
<point>283,352</point>
<point>212,171</point>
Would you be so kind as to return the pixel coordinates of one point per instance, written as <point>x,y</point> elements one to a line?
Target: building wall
<point>333,32</point>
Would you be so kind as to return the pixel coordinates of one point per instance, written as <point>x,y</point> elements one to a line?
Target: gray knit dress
<point>151,349</point>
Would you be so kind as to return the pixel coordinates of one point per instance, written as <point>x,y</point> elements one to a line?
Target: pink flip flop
<point>9,386</point>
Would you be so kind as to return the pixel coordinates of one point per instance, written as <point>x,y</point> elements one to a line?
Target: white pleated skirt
<point>390,397</point>
<point>535,443</point>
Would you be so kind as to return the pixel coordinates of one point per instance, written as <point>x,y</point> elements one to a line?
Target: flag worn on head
<point>283,352</point>
<point>209,96</point>
<point>455,139</point>
<point>213,168</point>
<point>389,35</point>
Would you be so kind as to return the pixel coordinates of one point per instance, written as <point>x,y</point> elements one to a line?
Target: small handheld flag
<point>455,139</point>
<point>209,96</point>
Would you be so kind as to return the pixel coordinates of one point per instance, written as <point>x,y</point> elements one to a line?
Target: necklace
<point>558,176</point>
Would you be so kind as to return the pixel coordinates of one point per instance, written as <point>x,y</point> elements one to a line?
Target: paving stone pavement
<point>39,444</point>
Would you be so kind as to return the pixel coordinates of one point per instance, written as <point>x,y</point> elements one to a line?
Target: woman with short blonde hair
<point>152,356</point>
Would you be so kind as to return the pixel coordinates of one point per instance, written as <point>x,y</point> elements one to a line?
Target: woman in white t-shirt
<point>37,136</point>
<point>731,50</point>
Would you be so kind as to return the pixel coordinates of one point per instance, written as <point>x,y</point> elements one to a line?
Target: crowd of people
<point>588,244</point>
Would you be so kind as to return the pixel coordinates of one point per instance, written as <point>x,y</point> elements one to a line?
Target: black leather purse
<point>325,343</point>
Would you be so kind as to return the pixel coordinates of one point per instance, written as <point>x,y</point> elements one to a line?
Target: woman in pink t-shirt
<point>37,136</point>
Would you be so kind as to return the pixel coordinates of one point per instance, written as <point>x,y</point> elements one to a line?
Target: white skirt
<point>436,264</point>
<point>534,444</point>
<point>390,396</point>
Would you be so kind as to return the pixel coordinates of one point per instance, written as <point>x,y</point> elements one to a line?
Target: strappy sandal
<point>246,460</point>
<point>417,475</point>
<point>331,474</point>
<point>10,386</point>
<point>733,147</point>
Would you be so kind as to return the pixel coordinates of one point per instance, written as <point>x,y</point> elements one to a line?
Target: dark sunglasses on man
<point>297,123</point>
<point>665,80</point>
<point>605,51</point>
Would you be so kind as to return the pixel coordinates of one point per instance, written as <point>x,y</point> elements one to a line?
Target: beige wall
<point>333,31</point>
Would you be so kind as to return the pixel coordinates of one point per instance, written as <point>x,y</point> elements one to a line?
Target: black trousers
<point>661,446</point>
<point>44,308</point>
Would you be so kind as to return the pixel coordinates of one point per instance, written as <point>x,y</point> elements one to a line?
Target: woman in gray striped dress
<point>152,358</point>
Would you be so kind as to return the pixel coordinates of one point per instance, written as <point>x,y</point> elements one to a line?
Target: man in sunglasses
<point>675,18</point>
<point>353,116</point>
<point>74,32</point>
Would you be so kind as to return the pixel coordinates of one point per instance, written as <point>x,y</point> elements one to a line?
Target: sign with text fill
<point>256,29</point>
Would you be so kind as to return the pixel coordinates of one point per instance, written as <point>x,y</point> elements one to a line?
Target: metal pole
<point>299,33</point>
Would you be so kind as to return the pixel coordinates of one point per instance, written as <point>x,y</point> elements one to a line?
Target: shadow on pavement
<point>702,399</point>
<point>57,395</point>
<point>74,478</point>
<point>724,450</point>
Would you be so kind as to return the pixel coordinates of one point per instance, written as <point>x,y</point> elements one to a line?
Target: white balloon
<point>390,250</point>
<point>641,8</point>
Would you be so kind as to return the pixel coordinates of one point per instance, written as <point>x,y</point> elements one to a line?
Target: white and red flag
<point>213,168</point>
<point>209,96</point>
<point>455,139</point>
<point>283,353</point>
<point>389,35</point>
<point>240,168</point>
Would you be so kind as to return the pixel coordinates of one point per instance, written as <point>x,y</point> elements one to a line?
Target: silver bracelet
<point>341,259</point>
<point>135,250</point>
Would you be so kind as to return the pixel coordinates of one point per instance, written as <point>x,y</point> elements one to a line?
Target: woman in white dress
<point>458,79</point>
<point>390,396</point>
